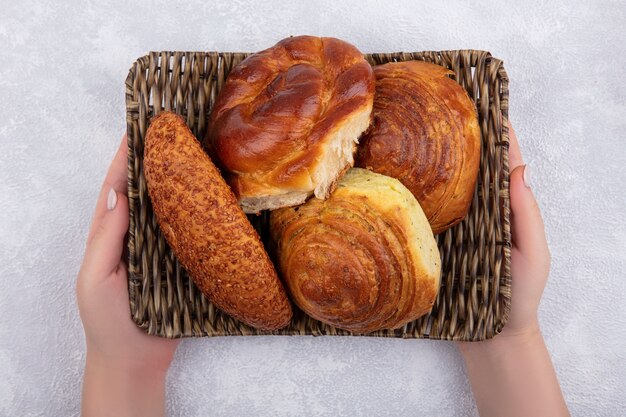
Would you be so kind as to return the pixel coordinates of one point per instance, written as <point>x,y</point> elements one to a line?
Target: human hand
<point>530,255</point>
<point>512,374</point>
<point>119,354</point>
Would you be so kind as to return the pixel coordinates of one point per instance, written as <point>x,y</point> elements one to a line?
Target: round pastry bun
<point>363,260</point>
<point>286,122</point>
<point>425,133</point>
<point>209,233</point>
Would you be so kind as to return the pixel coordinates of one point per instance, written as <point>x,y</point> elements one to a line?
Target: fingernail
<point>112,199</point>
<point>526,176</point>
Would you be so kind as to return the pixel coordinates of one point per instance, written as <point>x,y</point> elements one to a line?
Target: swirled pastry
<point>364,259</point>
<point>286,123</point>
<point>209,233</point>
<point>425,133</point>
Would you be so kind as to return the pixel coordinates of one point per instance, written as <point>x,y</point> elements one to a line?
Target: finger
<point>527,225</point>
<point>105,249</point>
<point>515,155</point>
<point>117,178</point>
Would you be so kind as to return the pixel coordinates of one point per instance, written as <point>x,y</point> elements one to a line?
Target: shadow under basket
<point>474,299</point>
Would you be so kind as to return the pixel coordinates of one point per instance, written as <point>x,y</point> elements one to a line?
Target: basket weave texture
<point>474,299</point>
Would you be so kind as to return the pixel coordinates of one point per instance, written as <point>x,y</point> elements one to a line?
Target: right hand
<point>512,374</point>
<point>530,255</point>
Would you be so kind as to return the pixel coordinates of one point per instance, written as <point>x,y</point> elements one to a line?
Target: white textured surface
<point>62,114</point>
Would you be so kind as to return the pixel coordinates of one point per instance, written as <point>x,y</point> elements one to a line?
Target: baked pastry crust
<point>286,122</point>
<point>209,233</point>
<point>365,259</point>
<point>425,133</point>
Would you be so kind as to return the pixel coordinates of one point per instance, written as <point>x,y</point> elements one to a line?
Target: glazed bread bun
<point>286,122</point>
<point>210,235</point>
<point>365,259</point>
<point>425,133</point>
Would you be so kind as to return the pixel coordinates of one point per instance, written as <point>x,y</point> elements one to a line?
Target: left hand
<point>113,340</point>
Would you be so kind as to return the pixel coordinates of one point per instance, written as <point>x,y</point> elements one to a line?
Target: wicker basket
<point>474,299</point>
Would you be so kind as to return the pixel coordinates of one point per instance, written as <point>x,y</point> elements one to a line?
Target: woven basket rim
<point>136,279</point>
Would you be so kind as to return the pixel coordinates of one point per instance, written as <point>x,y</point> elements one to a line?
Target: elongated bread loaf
<point>206,228</point>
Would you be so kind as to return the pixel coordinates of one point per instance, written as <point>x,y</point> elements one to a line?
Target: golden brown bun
<point>363,260</point>
<point>211,236</point>
<point>425,133</point>
<point>286,123</point>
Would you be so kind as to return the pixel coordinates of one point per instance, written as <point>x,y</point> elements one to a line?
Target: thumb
<point>105,249</point>
<point>527,225</point>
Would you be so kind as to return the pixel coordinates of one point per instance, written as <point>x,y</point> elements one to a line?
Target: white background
<point>62,71</point>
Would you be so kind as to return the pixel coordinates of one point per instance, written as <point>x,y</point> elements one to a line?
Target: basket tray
<point>474,299</point>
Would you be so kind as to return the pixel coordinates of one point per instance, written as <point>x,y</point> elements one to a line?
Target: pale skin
<point>125,369</point>
<point>510,375</point>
